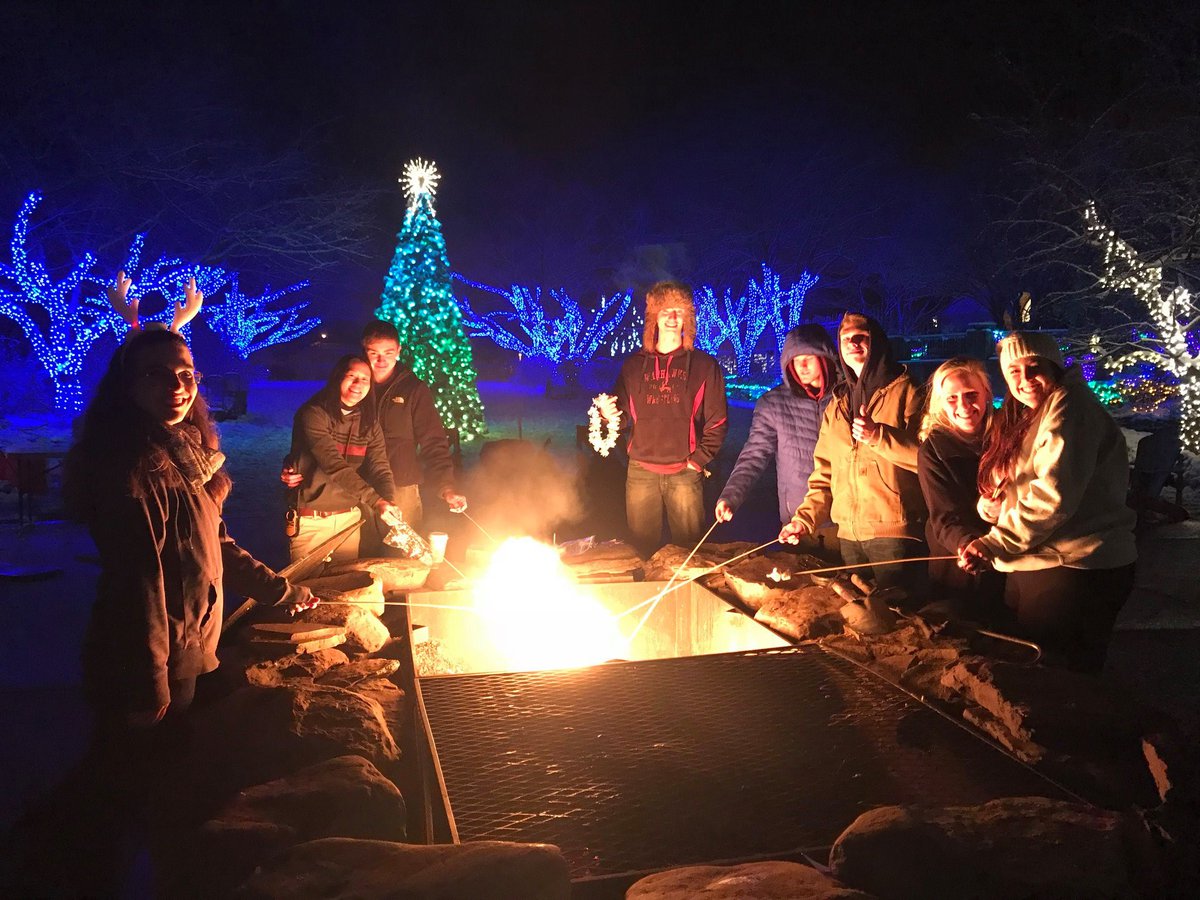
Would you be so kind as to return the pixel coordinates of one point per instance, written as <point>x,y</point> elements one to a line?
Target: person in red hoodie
<point>671,397</point>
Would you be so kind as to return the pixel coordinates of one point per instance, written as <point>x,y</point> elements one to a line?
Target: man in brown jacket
<point>864,475</point>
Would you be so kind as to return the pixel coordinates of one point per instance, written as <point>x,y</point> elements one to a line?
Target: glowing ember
<point>536,614</point>
<point>776,575</point>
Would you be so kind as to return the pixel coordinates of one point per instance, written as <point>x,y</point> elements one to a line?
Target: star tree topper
<point>420,177</point>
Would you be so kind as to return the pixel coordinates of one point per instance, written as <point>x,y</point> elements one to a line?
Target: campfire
<point>526,611</point>
<point>537,616</point>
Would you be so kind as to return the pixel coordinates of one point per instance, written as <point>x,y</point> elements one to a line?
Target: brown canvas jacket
<point>869,492</point>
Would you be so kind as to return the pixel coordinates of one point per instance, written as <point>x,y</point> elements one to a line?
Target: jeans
<point>911,577</point>
<point>647,494</point>
<point>315,530</point>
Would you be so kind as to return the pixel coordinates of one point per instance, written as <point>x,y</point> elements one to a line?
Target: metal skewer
<point>674,575</point>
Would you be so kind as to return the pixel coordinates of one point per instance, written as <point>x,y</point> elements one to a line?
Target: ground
<point>42,621</point>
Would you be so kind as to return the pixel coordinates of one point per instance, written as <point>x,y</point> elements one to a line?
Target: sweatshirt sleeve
<point>952,523</point>
<point>378,469</point>
<point>898,442</point>
<point>316,432</point>
<point>1062,462</point>
<point>814,508</point>
<point>761,445</point>
<point>245,575</point>
<point>431,439</point>
<point>130,534</point>
<point>714,416</point>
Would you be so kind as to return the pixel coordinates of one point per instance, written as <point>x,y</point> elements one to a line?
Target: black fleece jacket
<point>674,408</point>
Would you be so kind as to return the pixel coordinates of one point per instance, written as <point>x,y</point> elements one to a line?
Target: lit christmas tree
<point>418,300</point>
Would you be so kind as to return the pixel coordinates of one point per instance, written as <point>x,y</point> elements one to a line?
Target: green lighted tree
<point>418,300</point>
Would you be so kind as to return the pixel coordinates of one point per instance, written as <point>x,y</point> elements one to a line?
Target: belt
<point>323,514</point>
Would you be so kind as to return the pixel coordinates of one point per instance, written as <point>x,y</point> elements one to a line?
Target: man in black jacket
<point>673,412</point>
<point>412,431</point>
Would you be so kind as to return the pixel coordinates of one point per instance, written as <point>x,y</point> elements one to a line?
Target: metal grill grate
<point>642,765</point>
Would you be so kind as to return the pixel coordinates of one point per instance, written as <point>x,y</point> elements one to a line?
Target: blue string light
<point>571,336</point>
<point>246,324</point>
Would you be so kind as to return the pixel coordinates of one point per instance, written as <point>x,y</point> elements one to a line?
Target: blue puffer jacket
<point>785,426</point>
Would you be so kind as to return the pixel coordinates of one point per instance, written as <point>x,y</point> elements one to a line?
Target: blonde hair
<point>935,401</point>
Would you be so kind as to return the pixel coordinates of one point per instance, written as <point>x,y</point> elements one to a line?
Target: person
<point>339,454</point>
<point>671,398</point>
<point>864,476</point>
<point>787,420</point>
<point>1052,482</point>
<point>958,416</point>
<point>146,476</point>
<point>412,431</point>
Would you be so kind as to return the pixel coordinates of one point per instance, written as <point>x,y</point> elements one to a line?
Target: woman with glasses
<point>146,475</point>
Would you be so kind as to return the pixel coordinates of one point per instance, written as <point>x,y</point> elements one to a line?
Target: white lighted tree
<point>1172,315</point>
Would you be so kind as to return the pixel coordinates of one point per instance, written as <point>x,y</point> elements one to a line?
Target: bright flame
<point>536,614</point>
<point>776,575</point>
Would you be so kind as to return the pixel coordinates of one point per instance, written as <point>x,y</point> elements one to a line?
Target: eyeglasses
<point>161,375</point>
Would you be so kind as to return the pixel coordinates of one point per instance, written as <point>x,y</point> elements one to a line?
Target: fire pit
<point>707,739</point>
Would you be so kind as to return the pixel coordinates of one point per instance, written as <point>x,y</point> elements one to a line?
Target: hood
<point>806,340</point>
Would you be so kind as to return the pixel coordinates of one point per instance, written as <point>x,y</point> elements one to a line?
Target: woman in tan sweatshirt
<point>1052,481</point>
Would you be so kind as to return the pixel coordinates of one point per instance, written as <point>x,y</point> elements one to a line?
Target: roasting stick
<point>674,575</point>
<point>890,562</point>
<point>480,527</point>
<point>650,600</point>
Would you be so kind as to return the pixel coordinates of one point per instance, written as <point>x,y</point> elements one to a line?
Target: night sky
<point>569,135</point>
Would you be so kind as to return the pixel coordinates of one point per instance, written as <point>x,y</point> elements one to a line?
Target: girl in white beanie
<point>1052,482</point>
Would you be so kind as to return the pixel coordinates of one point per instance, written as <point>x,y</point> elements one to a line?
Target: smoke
<point>520,489</point>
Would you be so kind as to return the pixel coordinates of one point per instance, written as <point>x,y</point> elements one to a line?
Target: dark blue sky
<point>569,134</point>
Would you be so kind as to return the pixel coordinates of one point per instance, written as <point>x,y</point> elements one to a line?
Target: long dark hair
<point>118,440</point>
<point>880,369</point>
<point>329,397</point>
<point>1006,438</point>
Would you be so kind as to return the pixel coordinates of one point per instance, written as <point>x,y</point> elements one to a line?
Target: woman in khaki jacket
<point>864,476</point>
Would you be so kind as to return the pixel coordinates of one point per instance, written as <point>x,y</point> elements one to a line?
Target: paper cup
<point>437,543</point>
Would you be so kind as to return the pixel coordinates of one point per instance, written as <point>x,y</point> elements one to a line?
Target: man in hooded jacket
<point>674,417</point>
<point>864,476</point>
<point>787,420</point>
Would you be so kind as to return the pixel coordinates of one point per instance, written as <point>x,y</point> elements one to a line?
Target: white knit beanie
<point>1021,344</point>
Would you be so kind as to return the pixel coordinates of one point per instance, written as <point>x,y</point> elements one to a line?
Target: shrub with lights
<point>418,299</point>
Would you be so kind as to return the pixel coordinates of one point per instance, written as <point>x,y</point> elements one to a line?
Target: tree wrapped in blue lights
<point>63,317</point>
<point>56,317</point>
<point>246,323</point>
<point>720,319</point>
<point>419,300</point>
<point>166,276</point>
<point>571,335</point>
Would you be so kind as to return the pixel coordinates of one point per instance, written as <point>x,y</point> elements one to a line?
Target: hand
<point>974,557</point>
<point>457,502</point>
<point>304,599</point>
<point>118,296</point>
<point>724,511</point>
<point>290,477</point>
<point>383,508</point>
<point>146,718</point>
<point>865,430</point>
<point>607,404</point>
<point>793,531</point>
<point>989,508</point>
